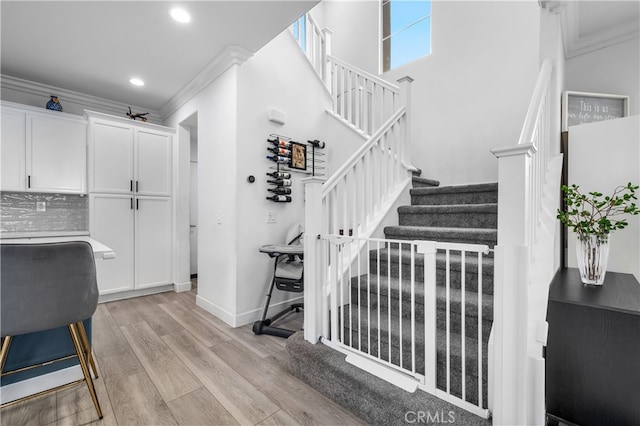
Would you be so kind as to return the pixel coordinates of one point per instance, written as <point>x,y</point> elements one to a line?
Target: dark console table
<point>593,350</point>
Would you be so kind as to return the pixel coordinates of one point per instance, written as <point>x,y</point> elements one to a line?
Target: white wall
<point>470,94</point>
<point>602,156</point>
<point>232,130</point>
<point>613,70</point>
<point>356,31</point>
<point>217,164</point>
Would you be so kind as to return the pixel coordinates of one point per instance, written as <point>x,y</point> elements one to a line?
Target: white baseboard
<point>110,297</point>
<point>182,287</point>
<point>31,386</point>
<point>238,320</point>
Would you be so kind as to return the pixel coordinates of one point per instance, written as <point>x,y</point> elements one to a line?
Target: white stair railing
<point>528,194</point>
<point>360,99</point>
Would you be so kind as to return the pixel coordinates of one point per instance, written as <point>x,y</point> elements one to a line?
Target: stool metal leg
<point>4,351</point>
<point>87,348</point>
<point>83,364</point>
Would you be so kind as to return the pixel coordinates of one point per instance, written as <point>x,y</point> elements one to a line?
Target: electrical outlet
<point>271,216</point>
<point>41,206</point>
<point>219,217</point>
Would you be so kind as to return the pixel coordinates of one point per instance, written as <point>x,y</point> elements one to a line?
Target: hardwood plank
<point>198,326</point>
<point>170,376</point>
<point>303,403</point>
<point>75,406</point>
<point>200,408</point>
<point>245,403</point>
<point>38,411</point>
<point>263,345</point>
<point>110,347</point>
<point>279,418</point>
<point>136,401</point>
<point>143,309</point>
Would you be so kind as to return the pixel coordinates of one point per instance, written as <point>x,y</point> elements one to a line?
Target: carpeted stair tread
<point>486,236</point>
<point>455,259</point>
<point>457,189</point>
<point>457,194</point>
<point>376,401</point>
<point>420,182</point>
<point>450,215</point>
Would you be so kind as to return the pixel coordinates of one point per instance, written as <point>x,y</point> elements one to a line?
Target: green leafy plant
<point>596,214</point>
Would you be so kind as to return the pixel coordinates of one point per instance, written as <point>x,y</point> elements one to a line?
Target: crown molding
<point>33,89</point>
<point>576,45</point>
<point>231,55</point>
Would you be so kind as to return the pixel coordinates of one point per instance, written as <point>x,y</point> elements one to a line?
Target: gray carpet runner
<point>378,320</point>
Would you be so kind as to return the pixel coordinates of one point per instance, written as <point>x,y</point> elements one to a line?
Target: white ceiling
<point>95,47</point>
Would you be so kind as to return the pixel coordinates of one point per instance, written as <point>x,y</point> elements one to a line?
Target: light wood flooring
<point>163,360</point>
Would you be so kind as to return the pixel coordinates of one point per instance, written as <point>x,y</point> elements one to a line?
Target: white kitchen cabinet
<point>112,223</point>
<point>139,230</point>
<point>42,151</point>
<point>56,154</point>
<point>110,157</point>
<point>128,157</point>
<point>12,150</point>
<point>131,208</point>
<point>153,242</point>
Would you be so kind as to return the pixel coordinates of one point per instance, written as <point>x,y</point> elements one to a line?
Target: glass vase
<point>593,254</point>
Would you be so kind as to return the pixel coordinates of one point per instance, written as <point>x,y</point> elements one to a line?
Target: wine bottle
<point>278,159</point>
<point>280,182</point>
<point>280,198</point>
<point>281,143</point>
<point>280,190</point>
<point>280,151</point>
<point>280,175</point>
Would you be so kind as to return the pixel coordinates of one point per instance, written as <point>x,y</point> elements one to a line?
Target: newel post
<point>313,255</point>
<point>510,363</point>
<point>404,84</point>
<point>326,52</point>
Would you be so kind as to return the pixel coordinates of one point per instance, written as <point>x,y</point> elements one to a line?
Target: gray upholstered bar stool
<point>45,286</point>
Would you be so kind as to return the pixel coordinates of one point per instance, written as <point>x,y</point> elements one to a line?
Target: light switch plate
<point>271,216</point>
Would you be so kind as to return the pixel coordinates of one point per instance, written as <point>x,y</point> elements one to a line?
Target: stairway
<point>466,214</point>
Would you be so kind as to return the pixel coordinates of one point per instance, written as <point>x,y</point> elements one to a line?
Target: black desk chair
<point>288,275</point>
<point>45,286</point>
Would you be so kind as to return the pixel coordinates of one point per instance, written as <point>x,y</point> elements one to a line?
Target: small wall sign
<point>582,107</point>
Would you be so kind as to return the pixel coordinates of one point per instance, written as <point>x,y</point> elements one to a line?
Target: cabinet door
<point>56,154</point>
<point>110,157</point>
<point>112,223</point>
<point>12,151</point>
<point>153,162</point>
<point>153,241</point>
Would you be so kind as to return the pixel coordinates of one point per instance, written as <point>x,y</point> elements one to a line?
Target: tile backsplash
<point>62,212</point>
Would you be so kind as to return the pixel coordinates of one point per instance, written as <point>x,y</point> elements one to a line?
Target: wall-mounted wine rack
<point>289,157</point>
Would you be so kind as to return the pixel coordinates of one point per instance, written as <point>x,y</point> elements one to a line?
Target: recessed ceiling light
<point>136,82</point>
<point>180,15</point>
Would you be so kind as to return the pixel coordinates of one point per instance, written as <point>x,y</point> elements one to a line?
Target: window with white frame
<point>406,31</point>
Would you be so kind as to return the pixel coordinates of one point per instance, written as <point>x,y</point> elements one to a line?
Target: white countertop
<point>100,251</point>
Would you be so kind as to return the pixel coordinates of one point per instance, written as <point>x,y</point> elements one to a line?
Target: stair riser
<point>438,199</point>
<point>471,276</point>
<point>459,220</point>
